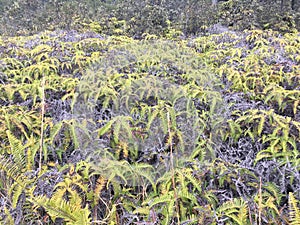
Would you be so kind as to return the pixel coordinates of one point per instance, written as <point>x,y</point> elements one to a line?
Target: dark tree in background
<point>149,16</point>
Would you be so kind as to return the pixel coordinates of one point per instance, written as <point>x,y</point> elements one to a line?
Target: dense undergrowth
<point>112,130</point>
<point>135,17</point>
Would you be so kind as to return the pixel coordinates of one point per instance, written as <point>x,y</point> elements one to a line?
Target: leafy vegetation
<point>159,17</point>
<point>125,121</point>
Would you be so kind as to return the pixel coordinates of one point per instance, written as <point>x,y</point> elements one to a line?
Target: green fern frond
<point>236,210</point>
<point>294,210</point>
<point>100,185</point>
<point>14,172</point>
<point>274,191</point>
<point>192,179</point>
<point>187,197</point>
<point>162,199</point>
<point>199,152</point>
<point>71,212</point>
<point>16,146</point>
<point>9,220</point>
<point>16,190</point>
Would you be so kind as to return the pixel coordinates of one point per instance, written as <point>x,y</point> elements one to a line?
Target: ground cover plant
<point>104,128</point>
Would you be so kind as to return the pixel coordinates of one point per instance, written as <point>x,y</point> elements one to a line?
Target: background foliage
<point>133,17</point>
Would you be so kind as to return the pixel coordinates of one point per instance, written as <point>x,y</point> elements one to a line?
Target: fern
<point>294,210</point>
<point>138,174</point>
<point>19,120</point>
<point>9,219</point>
<point>19,183</point>
<point>17,147</point>
<point>235,210</point>
<point>70,211</point>
<point>274,191</point>
<point>100,185</point>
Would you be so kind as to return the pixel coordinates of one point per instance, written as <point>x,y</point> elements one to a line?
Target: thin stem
<point>42,125</point>
<point>259,202</point>
<point>172,169</point>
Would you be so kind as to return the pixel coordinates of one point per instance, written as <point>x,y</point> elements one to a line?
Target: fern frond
<point>16,146</point>
<point>191,179</point>
<point>274,191</point>
<point>100,185</point>
<point>13,171</point>
<point>163,199</point>
<point>9,220</point>
<point>236,209</point>
<point>294,210</point>
<point>73,214</point>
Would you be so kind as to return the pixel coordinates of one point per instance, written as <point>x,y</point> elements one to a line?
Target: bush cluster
<point>154,17</point>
